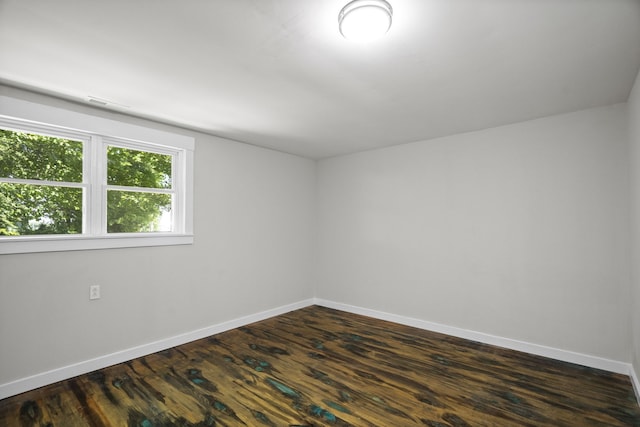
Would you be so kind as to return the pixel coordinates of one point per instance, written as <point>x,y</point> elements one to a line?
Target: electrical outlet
<point>94,292</point>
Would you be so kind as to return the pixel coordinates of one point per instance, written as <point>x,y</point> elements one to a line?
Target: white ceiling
<point>276,73</point>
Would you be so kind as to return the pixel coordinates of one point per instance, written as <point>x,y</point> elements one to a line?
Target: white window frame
<point>97,133</point>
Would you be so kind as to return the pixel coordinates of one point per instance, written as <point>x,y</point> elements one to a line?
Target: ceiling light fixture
<point>363,20</point>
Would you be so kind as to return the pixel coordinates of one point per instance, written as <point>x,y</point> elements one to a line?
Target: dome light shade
<point>363,20</point>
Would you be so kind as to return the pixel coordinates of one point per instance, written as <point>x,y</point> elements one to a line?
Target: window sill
<point>32,244</point>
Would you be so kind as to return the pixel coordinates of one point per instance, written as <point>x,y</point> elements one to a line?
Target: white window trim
<point>71,121</point>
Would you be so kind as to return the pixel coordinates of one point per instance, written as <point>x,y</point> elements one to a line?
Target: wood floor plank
<point>316,367</point>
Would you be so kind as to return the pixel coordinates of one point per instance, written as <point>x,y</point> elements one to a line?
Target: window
<point>41,184</point>
<point>92,186</point>
<point>139,191</point>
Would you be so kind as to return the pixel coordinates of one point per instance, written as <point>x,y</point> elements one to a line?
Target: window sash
<point>104,143</point>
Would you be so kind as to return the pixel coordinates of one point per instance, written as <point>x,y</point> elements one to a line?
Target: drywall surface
<point>634,138</point>
<point>254,225</point>
<point>519,231</point>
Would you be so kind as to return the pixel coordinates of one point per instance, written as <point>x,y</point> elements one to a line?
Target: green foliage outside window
<point>39,209</point>
<point>29,208</point>
<point>130,212</point>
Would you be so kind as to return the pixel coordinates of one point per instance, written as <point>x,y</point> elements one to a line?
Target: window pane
<point>31,156</point>
<point>135,168</point>
<point>134,212</point>
<point>38,209</point>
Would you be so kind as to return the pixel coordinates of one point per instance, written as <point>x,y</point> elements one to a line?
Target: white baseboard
<point>66,372</point>
<point>635,382</point>
<point>540,350</point>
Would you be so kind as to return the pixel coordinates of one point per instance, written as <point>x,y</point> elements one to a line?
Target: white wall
<point>254,225</point>
<point>634,137</point>
<point>519,231</point>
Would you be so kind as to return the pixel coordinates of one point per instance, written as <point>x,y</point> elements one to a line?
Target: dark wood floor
<point>318,366</point>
